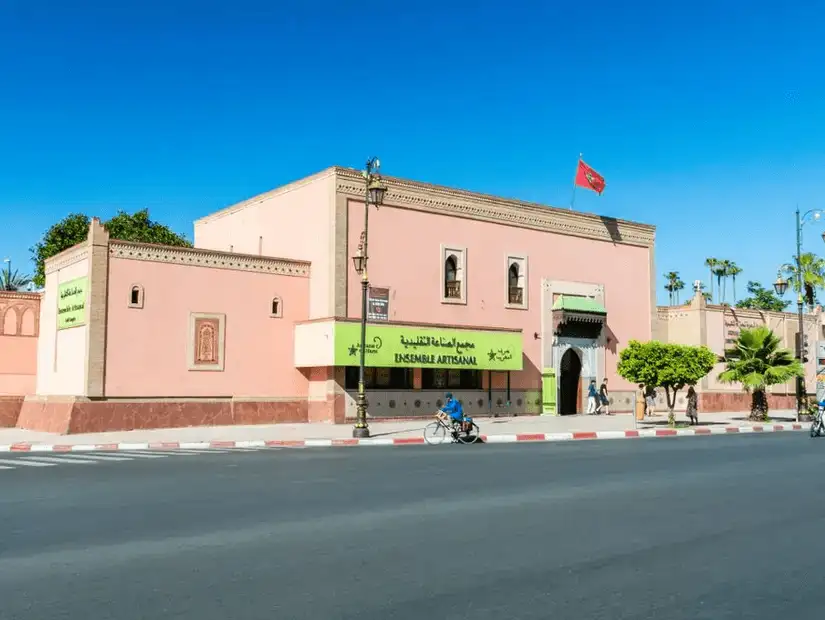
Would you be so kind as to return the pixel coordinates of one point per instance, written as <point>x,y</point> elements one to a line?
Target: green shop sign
<point>71,303</point>
<point>393,346</point>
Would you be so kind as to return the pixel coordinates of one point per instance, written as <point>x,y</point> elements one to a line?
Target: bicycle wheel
<point>815,428</point>
<point>470,436</point>
<point>435,433</point>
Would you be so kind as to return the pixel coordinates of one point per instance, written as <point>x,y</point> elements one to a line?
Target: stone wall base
<point>333,409</point>
<point>740,401</point>
<point>10,410</point>
<point>68,415</point>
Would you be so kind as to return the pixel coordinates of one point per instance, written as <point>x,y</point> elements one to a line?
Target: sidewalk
<point>495,430</point>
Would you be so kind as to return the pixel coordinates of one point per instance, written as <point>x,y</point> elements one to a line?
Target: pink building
<point>19,318</point>
<point>507,304</point>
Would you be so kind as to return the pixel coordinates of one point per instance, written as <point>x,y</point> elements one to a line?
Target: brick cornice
<point>67,257</point>
<point>196,257</point>
<point>21,295</point>
<point>402,193</point>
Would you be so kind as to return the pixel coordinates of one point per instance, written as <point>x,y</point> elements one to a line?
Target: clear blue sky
<point>708,122</point>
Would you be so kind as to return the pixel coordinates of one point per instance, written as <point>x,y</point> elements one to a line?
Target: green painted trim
<point>548,392</point>
<point>579,304</point>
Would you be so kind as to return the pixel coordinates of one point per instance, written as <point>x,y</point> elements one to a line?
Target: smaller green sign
<point>397,346</point>
<point>71,303</point>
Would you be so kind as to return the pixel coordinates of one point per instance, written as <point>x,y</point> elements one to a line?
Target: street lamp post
<point>8,273</point>
<point>781,285</point>
<point>374,194</point>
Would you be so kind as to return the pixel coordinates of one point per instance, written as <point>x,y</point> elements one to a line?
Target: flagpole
<point>575,176</point>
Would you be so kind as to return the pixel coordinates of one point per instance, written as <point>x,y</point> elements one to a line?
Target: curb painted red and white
<point>404,441</point>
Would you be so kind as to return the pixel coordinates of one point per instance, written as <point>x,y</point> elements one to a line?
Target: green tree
<point>758,360</point>
<point>762,299</point>
<point>74,228</point>
<point>13,280</point>
<point>813,275</point>
<point>666,365</point>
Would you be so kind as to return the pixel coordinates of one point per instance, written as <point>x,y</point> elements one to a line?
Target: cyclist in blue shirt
<point>453,409</point>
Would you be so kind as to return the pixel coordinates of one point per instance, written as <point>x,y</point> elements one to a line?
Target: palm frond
<point>758,359</point>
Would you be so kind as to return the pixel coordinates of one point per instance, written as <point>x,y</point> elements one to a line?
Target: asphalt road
<point>697,528</point>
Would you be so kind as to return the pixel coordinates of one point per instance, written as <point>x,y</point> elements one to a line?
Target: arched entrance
<point>570,383</point>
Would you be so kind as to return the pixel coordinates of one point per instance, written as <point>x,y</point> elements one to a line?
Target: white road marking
<point>96,457</point>
<point>17,462</point>
<point>144,455</point>
<point>57,459</point>
<point>50,459</point>
<point>204,451</point>
<point>170,452</point>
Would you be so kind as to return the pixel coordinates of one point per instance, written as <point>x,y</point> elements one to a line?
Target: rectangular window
<point>379,378</point>
<point>516,289</point>
<point>439,379</point>
<point>453,274</point>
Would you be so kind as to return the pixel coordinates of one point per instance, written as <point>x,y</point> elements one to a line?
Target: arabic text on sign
<point>460,346</point>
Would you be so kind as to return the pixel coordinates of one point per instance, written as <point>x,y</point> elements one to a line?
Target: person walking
<point>650,401</point>
<point>604,398</point>
<point>592,395</point>
<point>692,406</point>
<point>641,407</point>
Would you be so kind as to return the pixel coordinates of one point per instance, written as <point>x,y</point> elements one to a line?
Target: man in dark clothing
<point>604,399</point>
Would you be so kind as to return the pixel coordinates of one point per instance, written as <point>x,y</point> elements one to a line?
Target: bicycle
<point>436,432</point>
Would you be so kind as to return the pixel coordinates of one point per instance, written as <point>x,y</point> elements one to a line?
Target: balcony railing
<point>452,289</point>
<point>516,295</point>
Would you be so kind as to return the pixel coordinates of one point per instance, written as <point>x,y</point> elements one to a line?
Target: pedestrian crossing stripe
<point>17,462</point>
<point>53,459</point>
<point>57,459</point>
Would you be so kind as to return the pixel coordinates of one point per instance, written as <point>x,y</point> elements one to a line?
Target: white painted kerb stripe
<point>611,435</point>
<point>502,439</point>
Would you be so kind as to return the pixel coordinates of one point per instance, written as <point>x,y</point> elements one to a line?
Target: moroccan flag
<point>589,179</point>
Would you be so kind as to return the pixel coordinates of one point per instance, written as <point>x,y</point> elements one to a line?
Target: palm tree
<point>678,286</point>
<point>711,263</point>
<point>813,275</point>
<point>756,361</point>
<point>673,281</point>
<point>725,267</point>
<point>733,271</point>
<point>13,280</point>
<point>721,273</point>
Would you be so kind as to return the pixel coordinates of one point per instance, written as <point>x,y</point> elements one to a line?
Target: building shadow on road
<point>679,422</point>
<point>771,419</point>
<point>399,432</point>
